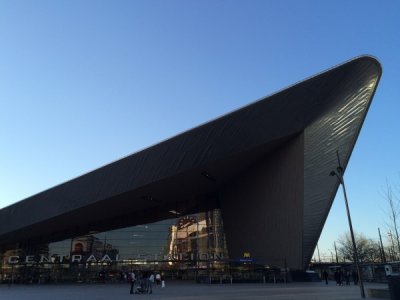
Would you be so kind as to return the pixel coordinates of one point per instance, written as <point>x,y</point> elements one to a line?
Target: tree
<point>368,250</point>
<point>392,197</point>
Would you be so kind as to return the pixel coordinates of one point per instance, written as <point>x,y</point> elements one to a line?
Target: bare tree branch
<point>393,203</point>
<point>368,250</point>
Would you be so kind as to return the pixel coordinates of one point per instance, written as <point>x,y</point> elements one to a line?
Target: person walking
<point>152,277</point>
<point>158,278</point>
<point>355,277</point>
<point>338,277</point>
<point>325,276</point>
<point>132,279</point>
<point>149,283</point>
<point>347,277</point>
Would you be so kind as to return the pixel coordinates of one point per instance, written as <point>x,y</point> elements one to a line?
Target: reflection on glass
<point>182,247</point>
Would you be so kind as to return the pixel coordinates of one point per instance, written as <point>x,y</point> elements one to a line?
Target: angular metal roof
<point>186,171</point>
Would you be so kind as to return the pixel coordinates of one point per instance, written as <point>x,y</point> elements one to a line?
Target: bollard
<point>163,284</point>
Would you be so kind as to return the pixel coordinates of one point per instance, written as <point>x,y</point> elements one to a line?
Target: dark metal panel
<point>262,209</point>
<point>336,128</point>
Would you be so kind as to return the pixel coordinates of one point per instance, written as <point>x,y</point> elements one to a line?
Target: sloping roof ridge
<point>360,57</point>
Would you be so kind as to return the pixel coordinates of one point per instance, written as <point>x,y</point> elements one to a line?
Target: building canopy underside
<point>265,165</point>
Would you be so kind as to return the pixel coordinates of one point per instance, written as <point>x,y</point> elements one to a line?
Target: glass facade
<point>185,247</point>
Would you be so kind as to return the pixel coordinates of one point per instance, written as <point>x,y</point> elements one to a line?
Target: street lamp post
<point>319,257</point>
<point>332,260</point>
<point>338,174</point>
<point>337,259</point>
<point>390,235</point>
<point>382,249</point>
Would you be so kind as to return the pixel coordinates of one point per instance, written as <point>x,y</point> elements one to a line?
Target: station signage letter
<point>13,259</point>
<point>29,259</point>
<point>76,258</point>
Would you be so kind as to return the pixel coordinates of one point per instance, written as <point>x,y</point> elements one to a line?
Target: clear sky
<point>84,83</point>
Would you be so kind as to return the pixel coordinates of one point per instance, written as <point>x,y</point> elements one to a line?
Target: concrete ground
<point>184,290</point>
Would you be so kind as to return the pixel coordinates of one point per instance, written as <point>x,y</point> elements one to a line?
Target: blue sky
<point>83,83</point>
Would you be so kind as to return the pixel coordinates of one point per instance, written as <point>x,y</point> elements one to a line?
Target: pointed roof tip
<point>368,57</point>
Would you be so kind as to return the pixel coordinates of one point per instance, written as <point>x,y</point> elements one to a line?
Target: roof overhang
<point>184,173</point>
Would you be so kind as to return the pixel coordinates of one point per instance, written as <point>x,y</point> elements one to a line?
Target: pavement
<point>185,290</point>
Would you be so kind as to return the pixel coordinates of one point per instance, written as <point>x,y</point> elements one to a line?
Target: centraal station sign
<point>87,259</point>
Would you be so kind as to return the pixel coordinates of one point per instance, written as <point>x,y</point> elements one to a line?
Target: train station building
<point>241,194</point>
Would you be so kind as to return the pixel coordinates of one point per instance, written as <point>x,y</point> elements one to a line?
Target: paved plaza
<point>184,290</point>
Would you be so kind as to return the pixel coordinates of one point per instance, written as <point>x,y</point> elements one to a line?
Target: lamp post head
<point>339,169</point>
